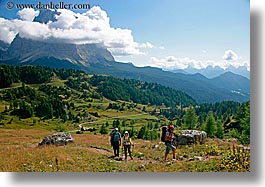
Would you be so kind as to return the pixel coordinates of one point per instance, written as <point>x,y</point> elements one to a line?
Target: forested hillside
<point>36,91</point>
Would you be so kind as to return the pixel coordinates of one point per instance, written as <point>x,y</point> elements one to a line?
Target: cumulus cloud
<point>146,45</point>
<point>172,62</point>
<point>8,30</point>
<point>230,55</point>
<point>28,14</point>
<point>91,27</point>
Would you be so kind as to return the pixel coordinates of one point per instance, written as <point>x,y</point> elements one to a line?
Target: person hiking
<point>127,143</point>
<point>168,142</point>
<point>116,142</point>
<point>111,138</point>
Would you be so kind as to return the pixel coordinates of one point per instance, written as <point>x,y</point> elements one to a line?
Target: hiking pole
<point>122,150</point>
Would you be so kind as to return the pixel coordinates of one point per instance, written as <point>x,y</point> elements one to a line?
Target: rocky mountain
<point>26,50</point>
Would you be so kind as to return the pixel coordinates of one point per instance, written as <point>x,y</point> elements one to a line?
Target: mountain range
<point>95,59</point>
<point>212,72</point>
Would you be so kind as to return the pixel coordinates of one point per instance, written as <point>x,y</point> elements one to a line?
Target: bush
<point>103,130</point>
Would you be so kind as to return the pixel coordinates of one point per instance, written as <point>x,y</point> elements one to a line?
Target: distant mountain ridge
<point>212,72</point>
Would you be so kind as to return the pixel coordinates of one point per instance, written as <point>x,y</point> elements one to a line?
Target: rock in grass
<point>60,138</point>
<point>198,158</point>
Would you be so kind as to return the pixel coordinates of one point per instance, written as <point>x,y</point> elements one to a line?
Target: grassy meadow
<point>92,152</point>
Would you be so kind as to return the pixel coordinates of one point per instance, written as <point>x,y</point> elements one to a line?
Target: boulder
<point>60,138</point>
<point>188,137</point>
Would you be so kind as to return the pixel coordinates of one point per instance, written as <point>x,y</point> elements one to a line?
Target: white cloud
<point>146,45</point>
<point>91,27</point>
<point>28,14</point>
<point>230,55</point>
<point>172,62</point>
<point>8,30</point>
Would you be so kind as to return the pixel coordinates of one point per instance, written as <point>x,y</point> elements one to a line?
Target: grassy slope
<point>92,152</point>
<point>19,152</point>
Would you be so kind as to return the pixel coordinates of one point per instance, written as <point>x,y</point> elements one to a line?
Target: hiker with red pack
<point>168,137</point>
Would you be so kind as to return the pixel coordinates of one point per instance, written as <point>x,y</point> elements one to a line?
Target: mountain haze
<point>212,72</point>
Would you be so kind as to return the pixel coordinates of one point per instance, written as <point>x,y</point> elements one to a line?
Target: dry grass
<point>92,153</point>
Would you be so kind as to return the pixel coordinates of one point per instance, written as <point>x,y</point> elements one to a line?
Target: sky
<point>170,34</point>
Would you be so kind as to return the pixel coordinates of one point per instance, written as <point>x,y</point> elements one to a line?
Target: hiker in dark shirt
<point>116,141</point>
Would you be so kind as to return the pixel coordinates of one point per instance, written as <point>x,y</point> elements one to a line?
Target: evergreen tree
<point>142,132</point>
<point>132,132</point>
<point>150,125</point>
<point>245,124</point>
<point>103,129</point>
<point>219,130</point>
<point>190,118</point>
<point>210,125</point>
<point>147,135</point>
<point>156,125</point>
<point>123,124</point>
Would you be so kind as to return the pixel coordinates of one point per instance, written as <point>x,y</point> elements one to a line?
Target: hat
<point>171,127</point>
<point>116,129</point>
<point>126,132</point>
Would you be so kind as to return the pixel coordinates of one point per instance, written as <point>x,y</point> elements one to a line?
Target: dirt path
<point>109,154</point>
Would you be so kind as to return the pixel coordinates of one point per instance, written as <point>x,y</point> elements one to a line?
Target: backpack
<point>126,141</point>
<point>164,131</point>
<point>116,136</point>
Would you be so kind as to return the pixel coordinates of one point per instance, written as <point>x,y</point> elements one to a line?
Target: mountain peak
<point>46,15</point>
<point>27,50</point>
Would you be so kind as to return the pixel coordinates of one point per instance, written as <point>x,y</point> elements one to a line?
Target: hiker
<point>127,143</point>
<point>116,141</point>
<point>111,139</point>
<point>168,141</point>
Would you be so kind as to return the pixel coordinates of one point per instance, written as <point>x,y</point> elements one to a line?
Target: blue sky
<point>180,33</point>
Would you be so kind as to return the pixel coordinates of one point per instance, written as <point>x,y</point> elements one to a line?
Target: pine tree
<point>210,125</point>
<point>245,124</point>
<point>132,132</point>
<point>142,132</point>
<point>219,130</point>
<point>103,130</point>
<point>123,123</point>
<point>190,118</point>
